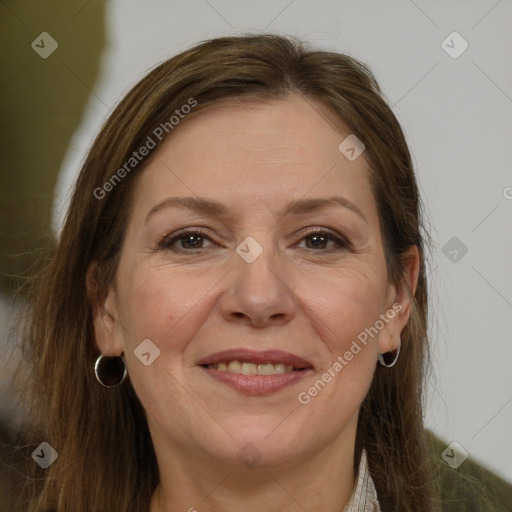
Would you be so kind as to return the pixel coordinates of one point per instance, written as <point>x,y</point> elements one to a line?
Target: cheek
<point>341,316</point>
<point>343,303</point>
<point>167,306</point>
<point>162,304</point>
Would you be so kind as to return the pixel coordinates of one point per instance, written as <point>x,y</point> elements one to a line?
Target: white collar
<point>364,496</point>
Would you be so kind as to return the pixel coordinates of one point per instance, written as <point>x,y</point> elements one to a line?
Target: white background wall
<point>457,116</point>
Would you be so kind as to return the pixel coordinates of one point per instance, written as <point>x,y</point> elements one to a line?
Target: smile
<point>256,373</point>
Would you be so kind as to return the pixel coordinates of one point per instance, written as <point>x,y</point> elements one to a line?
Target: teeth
<point>249,369</point>
<point>252,368</point>
<point>233,367</point>
<point>280,368</point>
<point>266,369</point>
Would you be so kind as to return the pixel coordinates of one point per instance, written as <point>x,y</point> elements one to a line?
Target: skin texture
<point>298,297</point>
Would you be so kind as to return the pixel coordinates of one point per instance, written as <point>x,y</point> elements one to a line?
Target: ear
<point>105,318</point>
<point>399,299</point>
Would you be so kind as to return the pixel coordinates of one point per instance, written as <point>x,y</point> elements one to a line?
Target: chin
<point>260,443</point>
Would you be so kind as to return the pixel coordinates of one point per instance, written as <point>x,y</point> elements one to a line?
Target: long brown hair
<point>106,459</point>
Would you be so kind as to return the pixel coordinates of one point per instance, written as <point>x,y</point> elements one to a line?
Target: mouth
<point>256,373</point>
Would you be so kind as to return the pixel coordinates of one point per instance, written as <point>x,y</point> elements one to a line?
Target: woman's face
<point>243,319</point>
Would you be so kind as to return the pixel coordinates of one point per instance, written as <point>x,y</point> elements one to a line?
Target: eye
<point>319,239</point>
<point>186,241</point>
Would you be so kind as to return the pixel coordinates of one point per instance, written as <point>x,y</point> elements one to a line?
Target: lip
<point>256,357</point>
<point>255,385</point>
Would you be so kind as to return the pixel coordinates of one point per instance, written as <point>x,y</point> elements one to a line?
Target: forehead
<point>254,152</point>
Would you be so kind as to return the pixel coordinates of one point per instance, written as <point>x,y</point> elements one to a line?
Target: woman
<point>235,315</point>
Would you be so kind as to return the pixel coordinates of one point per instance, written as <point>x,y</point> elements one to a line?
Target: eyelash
<point>168,241</point>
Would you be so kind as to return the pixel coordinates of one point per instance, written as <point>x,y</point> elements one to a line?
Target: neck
<point>323,482</point>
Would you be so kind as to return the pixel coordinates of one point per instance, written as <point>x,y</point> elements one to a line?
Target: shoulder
<point>471,488</point>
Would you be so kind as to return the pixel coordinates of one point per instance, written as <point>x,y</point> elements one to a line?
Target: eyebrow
<point>214,208</point>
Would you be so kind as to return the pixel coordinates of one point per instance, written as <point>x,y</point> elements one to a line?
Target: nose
<point>258,293</point>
